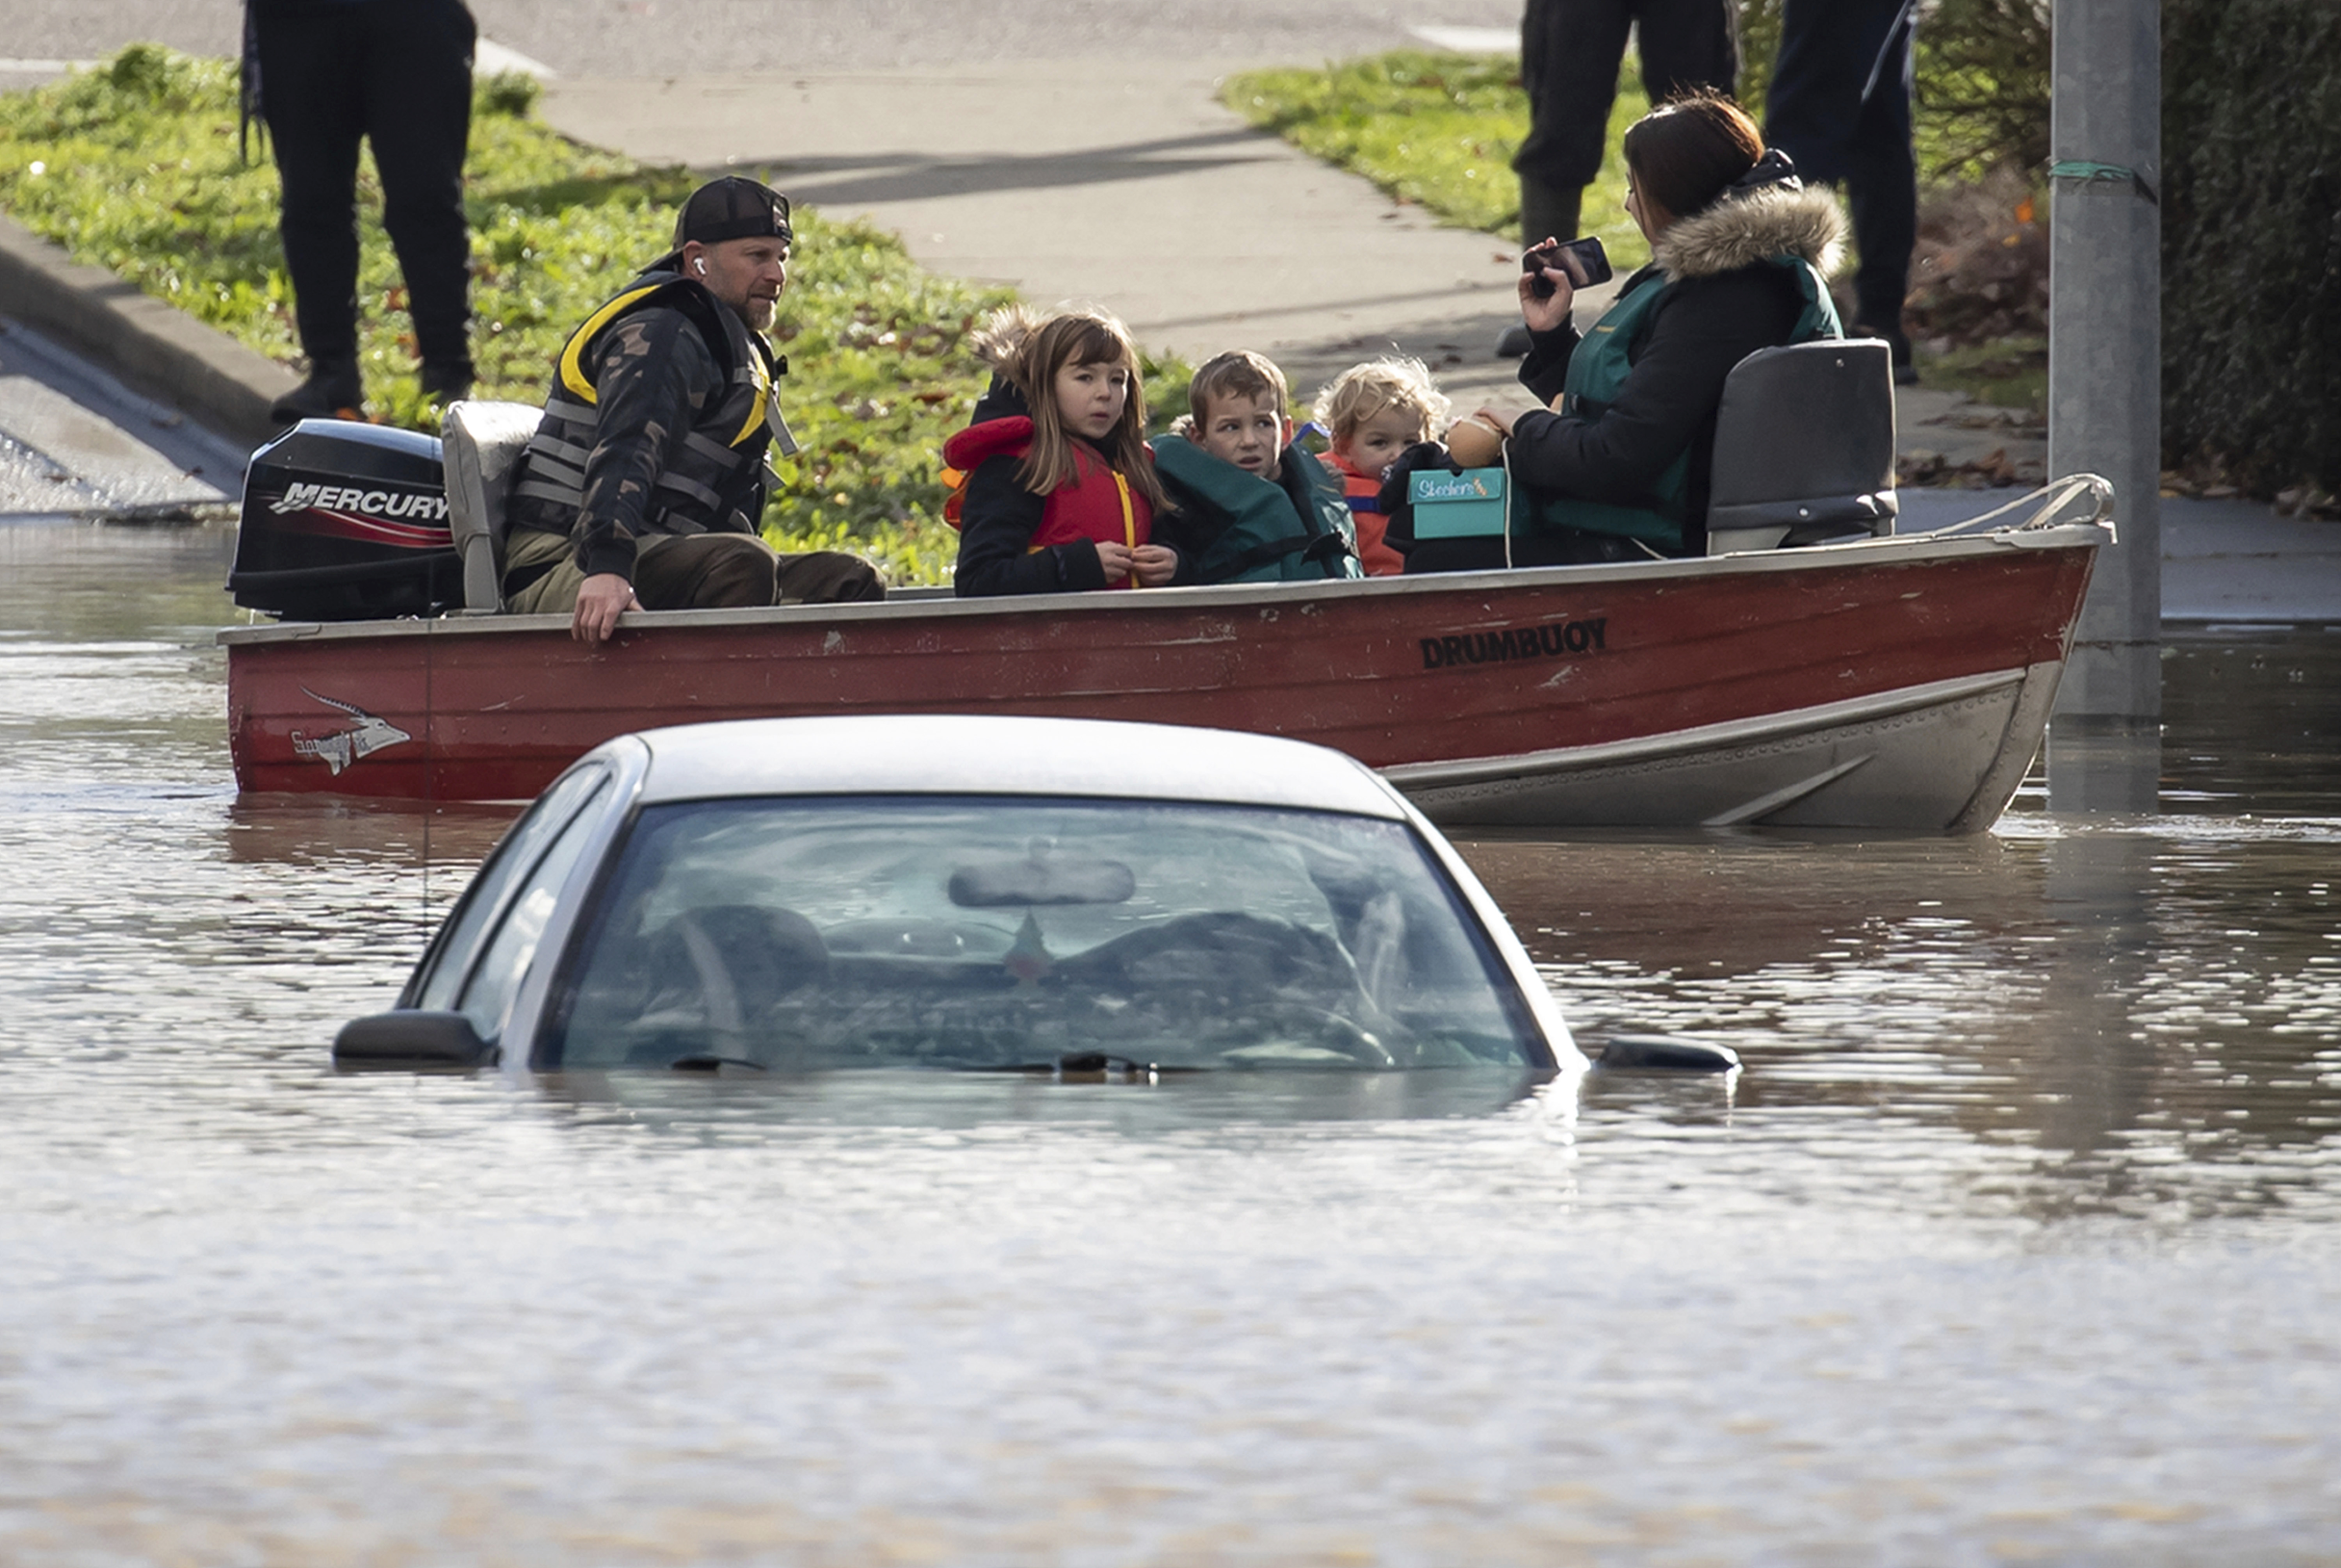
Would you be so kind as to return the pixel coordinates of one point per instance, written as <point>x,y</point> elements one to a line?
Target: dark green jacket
<point>1630,452</point>
<point>1235,526</point>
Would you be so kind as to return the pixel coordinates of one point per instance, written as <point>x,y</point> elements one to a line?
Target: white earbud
<point>702,265</point>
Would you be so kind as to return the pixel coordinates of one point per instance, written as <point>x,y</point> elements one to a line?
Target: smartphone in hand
<point>1590,257</point>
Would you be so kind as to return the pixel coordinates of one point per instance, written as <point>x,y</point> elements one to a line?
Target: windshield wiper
<point>1082,1062</point>
<point>709,1062</point>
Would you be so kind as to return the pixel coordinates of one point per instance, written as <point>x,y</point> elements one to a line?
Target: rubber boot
<point>1546,212</point>
<point>447,381</point>
<point>332,392</point>
<point>1897,341</point>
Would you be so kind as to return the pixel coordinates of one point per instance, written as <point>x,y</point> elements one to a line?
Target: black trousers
<point>1840,106</point>
<point>398,73</point>
<point>1570,54</point>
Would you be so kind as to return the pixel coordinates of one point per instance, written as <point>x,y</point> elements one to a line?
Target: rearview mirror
<point>410,1038</point>
<point>1041,878</point>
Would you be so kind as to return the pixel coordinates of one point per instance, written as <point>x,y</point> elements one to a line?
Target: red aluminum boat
<point>1891,683</point>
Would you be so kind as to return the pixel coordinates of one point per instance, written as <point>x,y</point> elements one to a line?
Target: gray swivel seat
<point>480,443</point>
<point>1804,447</point>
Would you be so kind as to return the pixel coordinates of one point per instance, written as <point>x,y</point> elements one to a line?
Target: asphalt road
<point>661,37</point>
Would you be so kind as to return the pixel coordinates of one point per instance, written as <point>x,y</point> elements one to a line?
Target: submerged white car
<point>976,894</point>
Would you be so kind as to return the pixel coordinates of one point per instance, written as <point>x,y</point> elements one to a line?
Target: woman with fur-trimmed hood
<point>1740,253</point>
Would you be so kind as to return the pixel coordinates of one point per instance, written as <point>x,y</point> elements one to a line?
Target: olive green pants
<point>694,571</point>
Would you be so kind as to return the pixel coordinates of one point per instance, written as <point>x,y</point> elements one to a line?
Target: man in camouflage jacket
<point>643,488</point>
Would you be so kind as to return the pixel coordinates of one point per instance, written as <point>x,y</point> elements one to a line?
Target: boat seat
<point>1804,447</point>
<point>480,442</point>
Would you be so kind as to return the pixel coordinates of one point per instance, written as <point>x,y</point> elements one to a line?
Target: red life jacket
<point>1363,493</point>
<point>1099,504</point>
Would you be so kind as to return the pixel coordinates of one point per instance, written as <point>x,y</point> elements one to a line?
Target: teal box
<point>1467,505</point>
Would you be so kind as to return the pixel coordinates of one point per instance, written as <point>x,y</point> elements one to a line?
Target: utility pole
<point>2105,361</point>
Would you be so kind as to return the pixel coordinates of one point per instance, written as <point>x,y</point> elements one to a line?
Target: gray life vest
<point>717,469</point>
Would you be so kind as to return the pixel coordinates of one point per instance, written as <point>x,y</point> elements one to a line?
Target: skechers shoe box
<point>345,521</point>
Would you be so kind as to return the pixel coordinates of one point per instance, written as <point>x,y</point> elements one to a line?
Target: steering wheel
<point>746,957</point>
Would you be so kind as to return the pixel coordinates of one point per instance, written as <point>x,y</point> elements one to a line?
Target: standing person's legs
<point>1815,101</point>
<point>1686,43</point>
<point>1829,52</point>
<point>417,73</point>
<point>1882,185</point>
<point>1570,53</point>
<point>309,100</point>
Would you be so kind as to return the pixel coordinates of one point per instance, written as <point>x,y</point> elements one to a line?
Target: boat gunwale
<point>1882,550</point>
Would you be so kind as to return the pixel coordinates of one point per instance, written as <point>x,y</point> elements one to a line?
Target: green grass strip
<point>134,167</point>
<point>1439,129</point>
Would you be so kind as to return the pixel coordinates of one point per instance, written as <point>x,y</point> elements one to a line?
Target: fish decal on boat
<point>345,747</point>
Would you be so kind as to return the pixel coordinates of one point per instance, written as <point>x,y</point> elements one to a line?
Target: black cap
<point>730,208</point>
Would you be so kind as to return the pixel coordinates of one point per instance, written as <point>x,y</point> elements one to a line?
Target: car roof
<point>969,754</point>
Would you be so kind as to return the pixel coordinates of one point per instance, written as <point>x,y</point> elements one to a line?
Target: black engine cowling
<point>345,521</point>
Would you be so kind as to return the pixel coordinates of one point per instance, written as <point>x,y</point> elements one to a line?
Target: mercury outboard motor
<point>345,521</point>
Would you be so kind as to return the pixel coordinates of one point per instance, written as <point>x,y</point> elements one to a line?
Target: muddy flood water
<point>2018,1239</point>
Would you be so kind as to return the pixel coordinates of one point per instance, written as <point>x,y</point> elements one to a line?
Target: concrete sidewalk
<point>2224,562</point>
<point>1112,182</point>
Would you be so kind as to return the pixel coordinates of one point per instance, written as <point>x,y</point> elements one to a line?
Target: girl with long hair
<point>1060,491</point>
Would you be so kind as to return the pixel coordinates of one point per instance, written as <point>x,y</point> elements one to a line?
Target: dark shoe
<point>332,392</point>
<point>1905,374</point>
<point>1514,343</point>
<point>449,382</point>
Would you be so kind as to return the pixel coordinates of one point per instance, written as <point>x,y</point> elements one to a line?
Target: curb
<point>161,350</point>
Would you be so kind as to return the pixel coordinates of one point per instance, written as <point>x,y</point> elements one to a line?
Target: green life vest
<point>1596,374</point>
<point>1297,531</point>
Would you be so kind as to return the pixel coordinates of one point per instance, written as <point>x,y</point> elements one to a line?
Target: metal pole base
<point>2104,763</point>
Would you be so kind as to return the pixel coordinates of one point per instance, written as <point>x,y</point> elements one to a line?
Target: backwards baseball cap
<point>730,208</point>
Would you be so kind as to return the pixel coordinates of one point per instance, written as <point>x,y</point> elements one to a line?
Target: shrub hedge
<point>2251,239</point>
<point>1981,82</point>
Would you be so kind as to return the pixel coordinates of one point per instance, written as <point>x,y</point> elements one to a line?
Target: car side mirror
<point>1666,1054</point>
<point>408,1040</point>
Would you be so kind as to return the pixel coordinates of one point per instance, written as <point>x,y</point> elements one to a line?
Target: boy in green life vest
<point>1252,506</point>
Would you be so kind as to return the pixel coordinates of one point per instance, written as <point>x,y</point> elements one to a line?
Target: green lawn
<point>1439,130</point>
<point>2007,372</point>
<point>134,167</point>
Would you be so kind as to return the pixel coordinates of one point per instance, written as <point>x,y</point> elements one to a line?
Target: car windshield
<point>1031,934</point>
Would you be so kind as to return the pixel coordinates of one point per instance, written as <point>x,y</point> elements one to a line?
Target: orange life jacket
<point>1363,493</point>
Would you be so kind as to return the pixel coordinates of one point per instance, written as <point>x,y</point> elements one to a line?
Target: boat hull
<point>1885,683</point>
